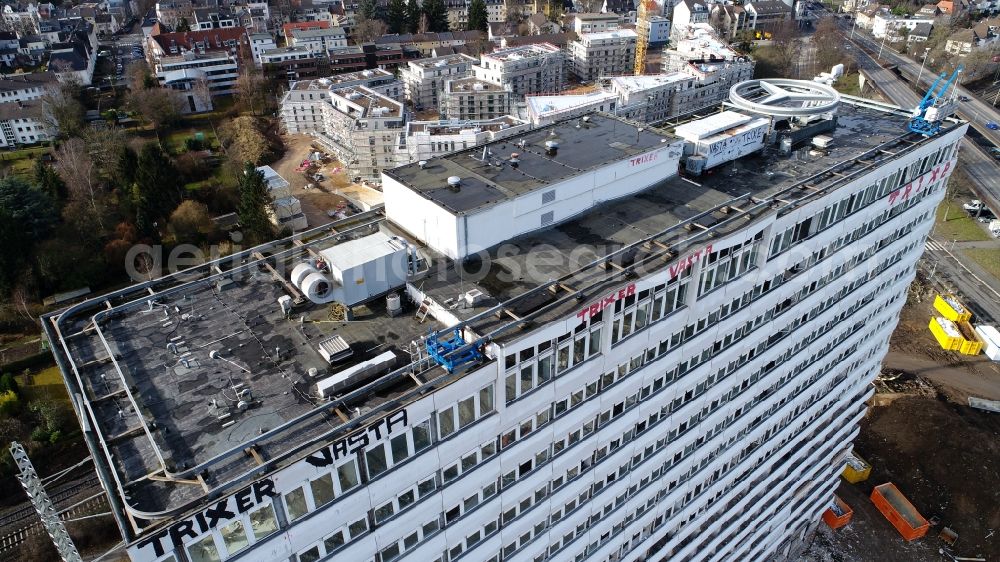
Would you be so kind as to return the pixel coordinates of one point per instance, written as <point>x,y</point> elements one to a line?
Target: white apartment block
<point>319,40</point>
<point>599,54</point>
<point>472,99</point>
<point>361,127</point>
<point>22,119</point>
<point>890,26</point>
<point>529,69</point>
<point>425,78</point>
<point>302,106</point>
<point>595,22</point>
<point>260,42</point>
<point>696,404</point>
<point>429,139</point>
<point>183,73</point>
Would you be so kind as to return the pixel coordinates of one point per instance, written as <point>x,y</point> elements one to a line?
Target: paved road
<point>976,162</point>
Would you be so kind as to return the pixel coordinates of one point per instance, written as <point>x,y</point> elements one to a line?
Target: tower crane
<point>936,106</point>
<point>647,8</point>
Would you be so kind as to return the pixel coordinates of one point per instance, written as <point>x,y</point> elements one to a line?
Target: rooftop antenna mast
<point>43,505</point>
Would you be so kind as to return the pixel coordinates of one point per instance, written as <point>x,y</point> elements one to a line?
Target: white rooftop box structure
<point>356,270</point>
<point>723,137</point>
<point>355,375</point>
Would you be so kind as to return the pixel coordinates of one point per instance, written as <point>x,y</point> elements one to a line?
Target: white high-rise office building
<point>549,347</point>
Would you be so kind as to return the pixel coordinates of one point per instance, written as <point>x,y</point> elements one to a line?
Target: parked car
<point>963,98</point>
<point>974,205</point>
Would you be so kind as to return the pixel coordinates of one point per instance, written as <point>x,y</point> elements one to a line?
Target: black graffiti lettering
<point>376,428</point>
<point>320,459</point>
<point>358,442</point>
<point>180,530</point>
<point>202,524</point>
<point>340,448</point>
<point>156,541</point>
<point>219,513</point>
<point>264,489</point>
<point>394,419</point>
<point>243,503</point>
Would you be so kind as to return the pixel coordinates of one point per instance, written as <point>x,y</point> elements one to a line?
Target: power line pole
<point>43,505</point>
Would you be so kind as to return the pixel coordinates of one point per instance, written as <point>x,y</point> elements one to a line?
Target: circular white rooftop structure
<point>782,97</point>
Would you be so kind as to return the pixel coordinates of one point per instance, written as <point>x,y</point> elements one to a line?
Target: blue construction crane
<point>934,107</point>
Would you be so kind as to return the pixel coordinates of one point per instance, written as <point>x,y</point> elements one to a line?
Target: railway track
<point>11,540</point>
<point>15,519</point>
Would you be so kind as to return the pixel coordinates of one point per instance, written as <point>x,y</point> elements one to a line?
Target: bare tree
<point>62,110</point>
<point>158,106</point>
<point>138,76</point>
<point>252,91</point>
<point>367,30</point>
<point>202,93</point>
<point>76,167</point>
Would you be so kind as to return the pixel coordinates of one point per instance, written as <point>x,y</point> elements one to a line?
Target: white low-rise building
<point>427,139</point>
<point>891,26</point>
<point>543,110</point>
<point>319,40</point>
<point>285,210</point>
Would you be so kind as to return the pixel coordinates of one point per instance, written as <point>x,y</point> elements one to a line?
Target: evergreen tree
<point>183,25</point>
<point>125,168</point>
<point>156,192</point>
<point>15,242</point>
<point>413,13</point>
<point>30,207</point>
<point>397,16</point>
<point>368,9</point>
<point>437,15</point>
<point>253,206</point>
<point>49,181</point>
<point>477,16</point>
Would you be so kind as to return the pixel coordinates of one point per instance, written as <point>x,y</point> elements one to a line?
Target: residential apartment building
<point>595,22</point>
<point>361,128</point>
<point>319,40</point>
<point>891,27</point>
<point>767,15</point>
<point>690,12</point>
<point>293,63</point>
<point>697,404</point>
<point>425,78</point>
<point>472,99</point>
<point>194,62</point>
<point>302,106</point>
<point>429,139</point>
<point>599,54</point>
<point>22,118</point>
<point>529,69</point>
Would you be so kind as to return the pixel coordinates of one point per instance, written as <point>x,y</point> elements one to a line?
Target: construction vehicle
<point>647,9</point>
<point>936,106</point>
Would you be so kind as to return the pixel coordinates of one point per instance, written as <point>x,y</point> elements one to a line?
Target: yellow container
<point>970,344</point>
<point>951,308</point>
<point>856,469</point>
<point>946,333</point>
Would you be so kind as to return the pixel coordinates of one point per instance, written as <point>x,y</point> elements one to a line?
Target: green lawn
<point>849,84</point>
<point>21,162</point>
<point>959,226</point>
<point>987,258</point>
<point>45,384</point>
<point>174,141</point>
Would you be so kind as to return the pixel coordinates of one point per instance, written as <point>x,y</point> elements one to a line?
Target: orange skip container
<point>899,511</point>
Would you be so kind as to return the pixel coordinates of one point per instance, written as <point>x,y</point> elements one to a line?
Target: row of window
<point>853,203</point>
<point>463,415</point>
